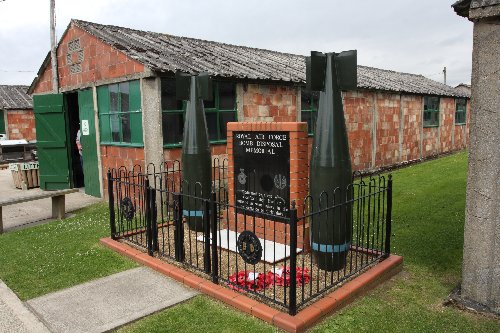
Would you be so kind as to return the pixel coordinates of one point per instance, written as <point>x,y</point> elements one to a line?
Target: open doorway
<point>76,166</point>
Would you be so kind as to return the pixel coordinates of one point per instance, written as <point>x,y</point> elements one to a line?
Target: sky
<point>412,36</point>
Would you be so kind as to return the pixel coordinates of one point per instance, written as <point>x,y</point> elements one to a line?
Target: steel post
<point>111,201</point>
<point>292,309</point>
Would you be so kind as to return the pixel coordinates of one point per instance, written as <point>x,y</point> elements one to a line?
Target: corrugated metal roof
<point>166,53</point>
<point>483,3</point>
<point>464,89</point>
<point>15,97</point>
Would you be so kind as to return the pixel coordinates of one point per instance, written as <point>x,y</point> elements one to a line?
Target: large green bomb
<point>196,156</point>
<point>330,167</point>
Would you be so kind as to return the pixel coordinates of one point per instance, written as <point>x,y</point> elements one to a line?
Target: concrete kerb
<point>15,316</point>
<point>304,319</point>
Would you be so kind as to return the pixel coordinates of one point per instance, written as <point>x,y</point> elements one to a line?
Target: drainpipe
<point>53,55</point>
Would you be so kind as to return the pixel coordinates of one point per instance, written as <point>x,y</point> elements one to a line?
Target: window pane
<point>173,127</point>
<point>212,125</point>
<point>114,121</point>
<point>435,118</point>
<point>225,117</point>
<point>305,116</point>
<point>168,98</point>
<point>124,97</point>
<point>126,127</point>
<point>210,104</point>
<point>305,100</point>
<point>227,96</point>
<point>309,100</point>
<point>113,98</point>
<point>431,103</point>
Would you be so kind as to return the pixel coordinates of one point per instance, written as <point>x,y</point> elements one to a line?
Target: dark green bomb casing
<point>330,167</point>
<point>196,155</point>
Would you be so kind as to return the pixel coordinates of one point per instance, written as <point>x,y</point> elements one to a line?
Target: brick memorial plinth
<point>268,170</point>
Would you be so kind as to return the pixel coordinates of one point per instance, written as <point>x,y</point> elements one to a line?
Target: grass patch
<point>199,314</point>
<point>428,227</point>
<point>60,254</point>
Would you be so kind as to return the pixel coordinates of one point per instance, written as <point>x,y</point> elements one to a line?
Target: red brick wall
<point>115,157</point>
<point>430,144</point>
<point>175,154</point>
<point>388,111</point>
<point>359,118</point>
<point>100,62</point>
<point>269,103</point>
<point>412,123</point>
<point>447,124</point>
<point>21,124</point>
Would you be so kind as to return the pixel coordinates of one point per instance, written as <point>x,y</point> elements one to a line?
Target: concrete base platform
<point>109,302</point>
<point>14,316</point>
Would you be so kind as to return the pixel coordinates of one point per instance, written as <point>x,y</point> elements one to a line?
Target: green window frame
<point>218,112</point>
<point>309,108</point>
<point>460,111</point>
<point>120,114</point>
<point>431,111</point>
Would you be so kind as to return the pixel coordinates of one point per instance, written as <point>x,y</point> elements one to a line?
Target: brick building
<point>119,83</point>
<point>17,120</point>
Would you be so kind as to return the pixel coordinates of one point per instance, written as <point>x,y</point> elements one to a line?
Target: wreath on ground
<point>249,280</point>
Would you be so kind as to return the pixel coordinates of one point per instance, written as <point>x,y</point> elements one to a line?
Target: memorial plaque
<point>262,172</point>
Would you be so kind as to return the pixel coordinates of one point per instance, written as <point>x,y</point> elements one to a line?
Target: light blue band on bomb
<point>192,213</point>
<point>329,248</point>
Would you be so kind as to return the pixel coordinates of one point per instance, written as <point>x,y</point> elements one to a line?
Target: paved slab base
<point>303,320</point>
<point>14,316</point>
<point>275,252</point>
<point>109,302</point>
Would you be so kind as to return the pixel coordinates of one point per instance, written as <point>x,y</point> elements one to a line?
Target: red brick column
<point>299,179</point>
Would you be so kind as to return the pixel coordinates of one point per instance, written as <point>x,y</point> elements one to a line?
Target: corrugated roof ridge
<point>77,21</point>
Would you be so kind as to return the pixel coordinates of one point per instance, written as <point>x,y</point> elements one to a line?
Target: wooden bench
<point>58,202</point>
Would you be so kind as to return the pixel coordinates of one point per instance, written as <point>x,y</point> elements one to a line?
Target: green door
<point>52,144</point>
<point>89,144</point>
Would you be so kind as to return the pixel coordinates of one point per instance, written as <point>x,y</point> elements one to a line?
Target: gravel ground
<point>231,263</point>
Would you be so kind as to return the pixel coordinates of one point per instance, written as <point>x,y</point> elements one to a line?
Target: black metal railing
<point>147,210</point>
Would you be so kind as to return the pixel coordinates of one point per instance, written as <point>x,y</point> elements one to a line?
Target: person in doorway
<point>79,147</point>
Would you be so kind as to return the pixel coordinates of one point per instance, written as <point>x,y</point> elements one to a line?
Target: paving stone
<point>106,303</point>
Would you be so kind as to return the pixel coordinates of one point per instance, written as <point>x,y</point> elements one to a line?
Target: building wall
<point>411,127</point>
<point>20,125</point>
<point>359,117</point>
<point>114,157</point>
<point>268,103</point>
<point>94,63</point>
<point>387,111</point>
<point>97,62</point>
<point>384,129</point>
